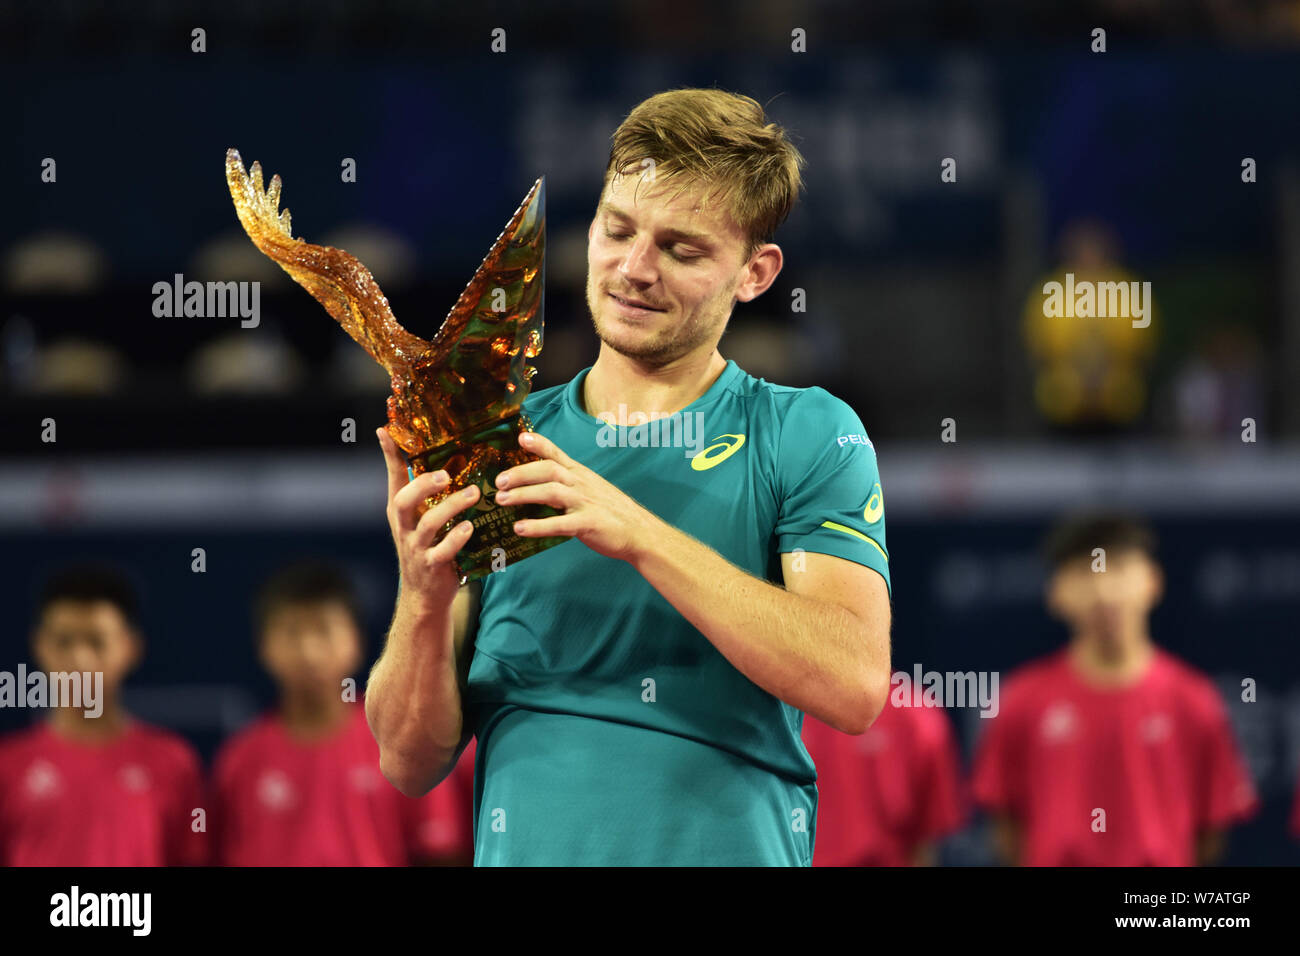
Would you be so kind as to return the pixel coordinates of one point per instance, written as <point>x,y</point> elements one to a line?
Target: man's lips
<point>635,303</point>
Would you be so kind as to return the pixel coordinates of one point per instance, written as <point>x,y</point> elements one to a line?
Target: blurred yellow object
<point>1088,368</point>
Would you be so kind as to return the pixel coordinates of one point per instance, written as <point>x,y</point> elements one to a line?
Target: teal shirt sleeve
<point>829,485</point>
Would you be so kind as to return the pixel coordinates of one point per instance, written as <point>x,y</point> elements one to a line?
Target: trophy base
<point>476,458</point>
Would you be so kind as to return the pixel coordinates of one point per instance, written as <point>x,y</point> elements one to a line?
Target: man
<point>93,786</point>
<point>301,786</point>
<point>1112,751</point>
<point>637,692</point>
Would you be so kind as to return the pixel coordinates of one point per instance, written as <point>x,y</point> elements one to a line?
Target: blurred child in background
<point>1111,751</point>
<point>96,789</point>
<point>886,797</point>
<point>302,785</point>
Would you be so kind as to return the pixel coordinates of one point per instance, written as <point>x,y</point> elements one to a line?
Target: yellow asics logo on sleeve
<point>875,506</point>
<point>871,514</point>
<point>710,456</point>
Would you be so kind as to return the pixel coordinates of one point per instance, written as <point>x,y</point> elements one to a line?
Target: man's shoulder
<point>800,414</point>
<point>748,385</point>
<point>802,410</point>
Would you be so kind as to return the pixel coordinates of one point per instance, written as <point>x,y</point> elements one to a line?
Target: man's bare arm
<point>413,700</point>
<point>820,644</point>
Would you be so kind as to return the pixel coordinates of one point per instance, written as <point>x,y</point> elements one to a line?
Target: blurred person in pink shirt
<point>302,785</point>
<point>92,785</point>
<point>886,797</point>
<point>1110,751</point>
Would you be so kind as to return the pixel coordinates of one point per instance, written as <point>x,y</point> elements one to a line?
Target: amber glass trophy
<point>457,400</point>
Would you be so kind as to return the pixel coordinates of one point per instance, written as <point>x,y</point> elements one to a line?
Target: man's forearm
<point>815,655</point>
<point>413,699</point>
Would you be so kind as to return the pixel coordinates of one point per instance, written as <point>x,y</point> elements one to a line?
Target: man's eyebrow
<point>700,237</point>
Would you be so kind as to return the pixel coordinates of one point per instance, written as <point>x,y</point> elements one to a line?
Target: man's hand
<point>595,512</point>
<point>825,653</point>
<point>429,579</point>
<point>413,698</point>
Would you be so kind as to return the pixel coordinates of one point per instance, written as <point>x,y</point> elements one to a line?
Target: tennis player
<point>637,692</point>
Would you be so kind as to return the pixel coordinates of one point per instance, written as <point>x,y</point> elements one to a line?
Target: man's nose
<point>639,264</point>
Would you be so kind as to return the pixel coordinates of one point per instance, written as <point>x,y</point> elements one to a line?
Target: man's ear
<point>762,269</point>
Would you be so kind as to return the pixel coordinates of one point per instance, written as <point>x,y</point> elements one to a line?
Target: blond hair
<point>719,139</point>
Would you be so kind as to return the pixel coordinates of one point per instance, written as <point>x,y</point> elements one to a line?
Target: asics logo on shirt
<point>870,514</point>
<point>875,505</point>
<point>718,452</point>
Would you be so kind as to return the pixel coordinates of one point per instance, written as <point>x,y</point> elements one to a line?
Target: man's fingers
<point>554,493</point>
<point>432,521</point>
<point>543,447</point>
<point>446,549</point>
<point>407,504</point>
<point>532,472</point>
<point>393,461</point>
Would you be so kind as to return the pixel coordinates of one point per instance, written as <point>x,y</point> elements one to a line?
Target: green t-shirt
<point>610,731</point>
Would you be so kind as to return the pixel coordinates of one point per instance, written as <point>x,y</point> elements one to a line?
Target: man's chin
<point>641,346</point>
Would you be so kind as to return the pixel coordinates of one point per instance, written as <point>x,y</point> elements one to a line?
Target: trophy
<point>457,399</point>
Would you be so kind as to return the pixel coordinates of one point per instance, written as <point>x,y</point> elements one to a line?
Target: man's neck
<point>1111,664</point>
<point>72,724</point>
<point>616,380</point>
<point>310,716</point>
